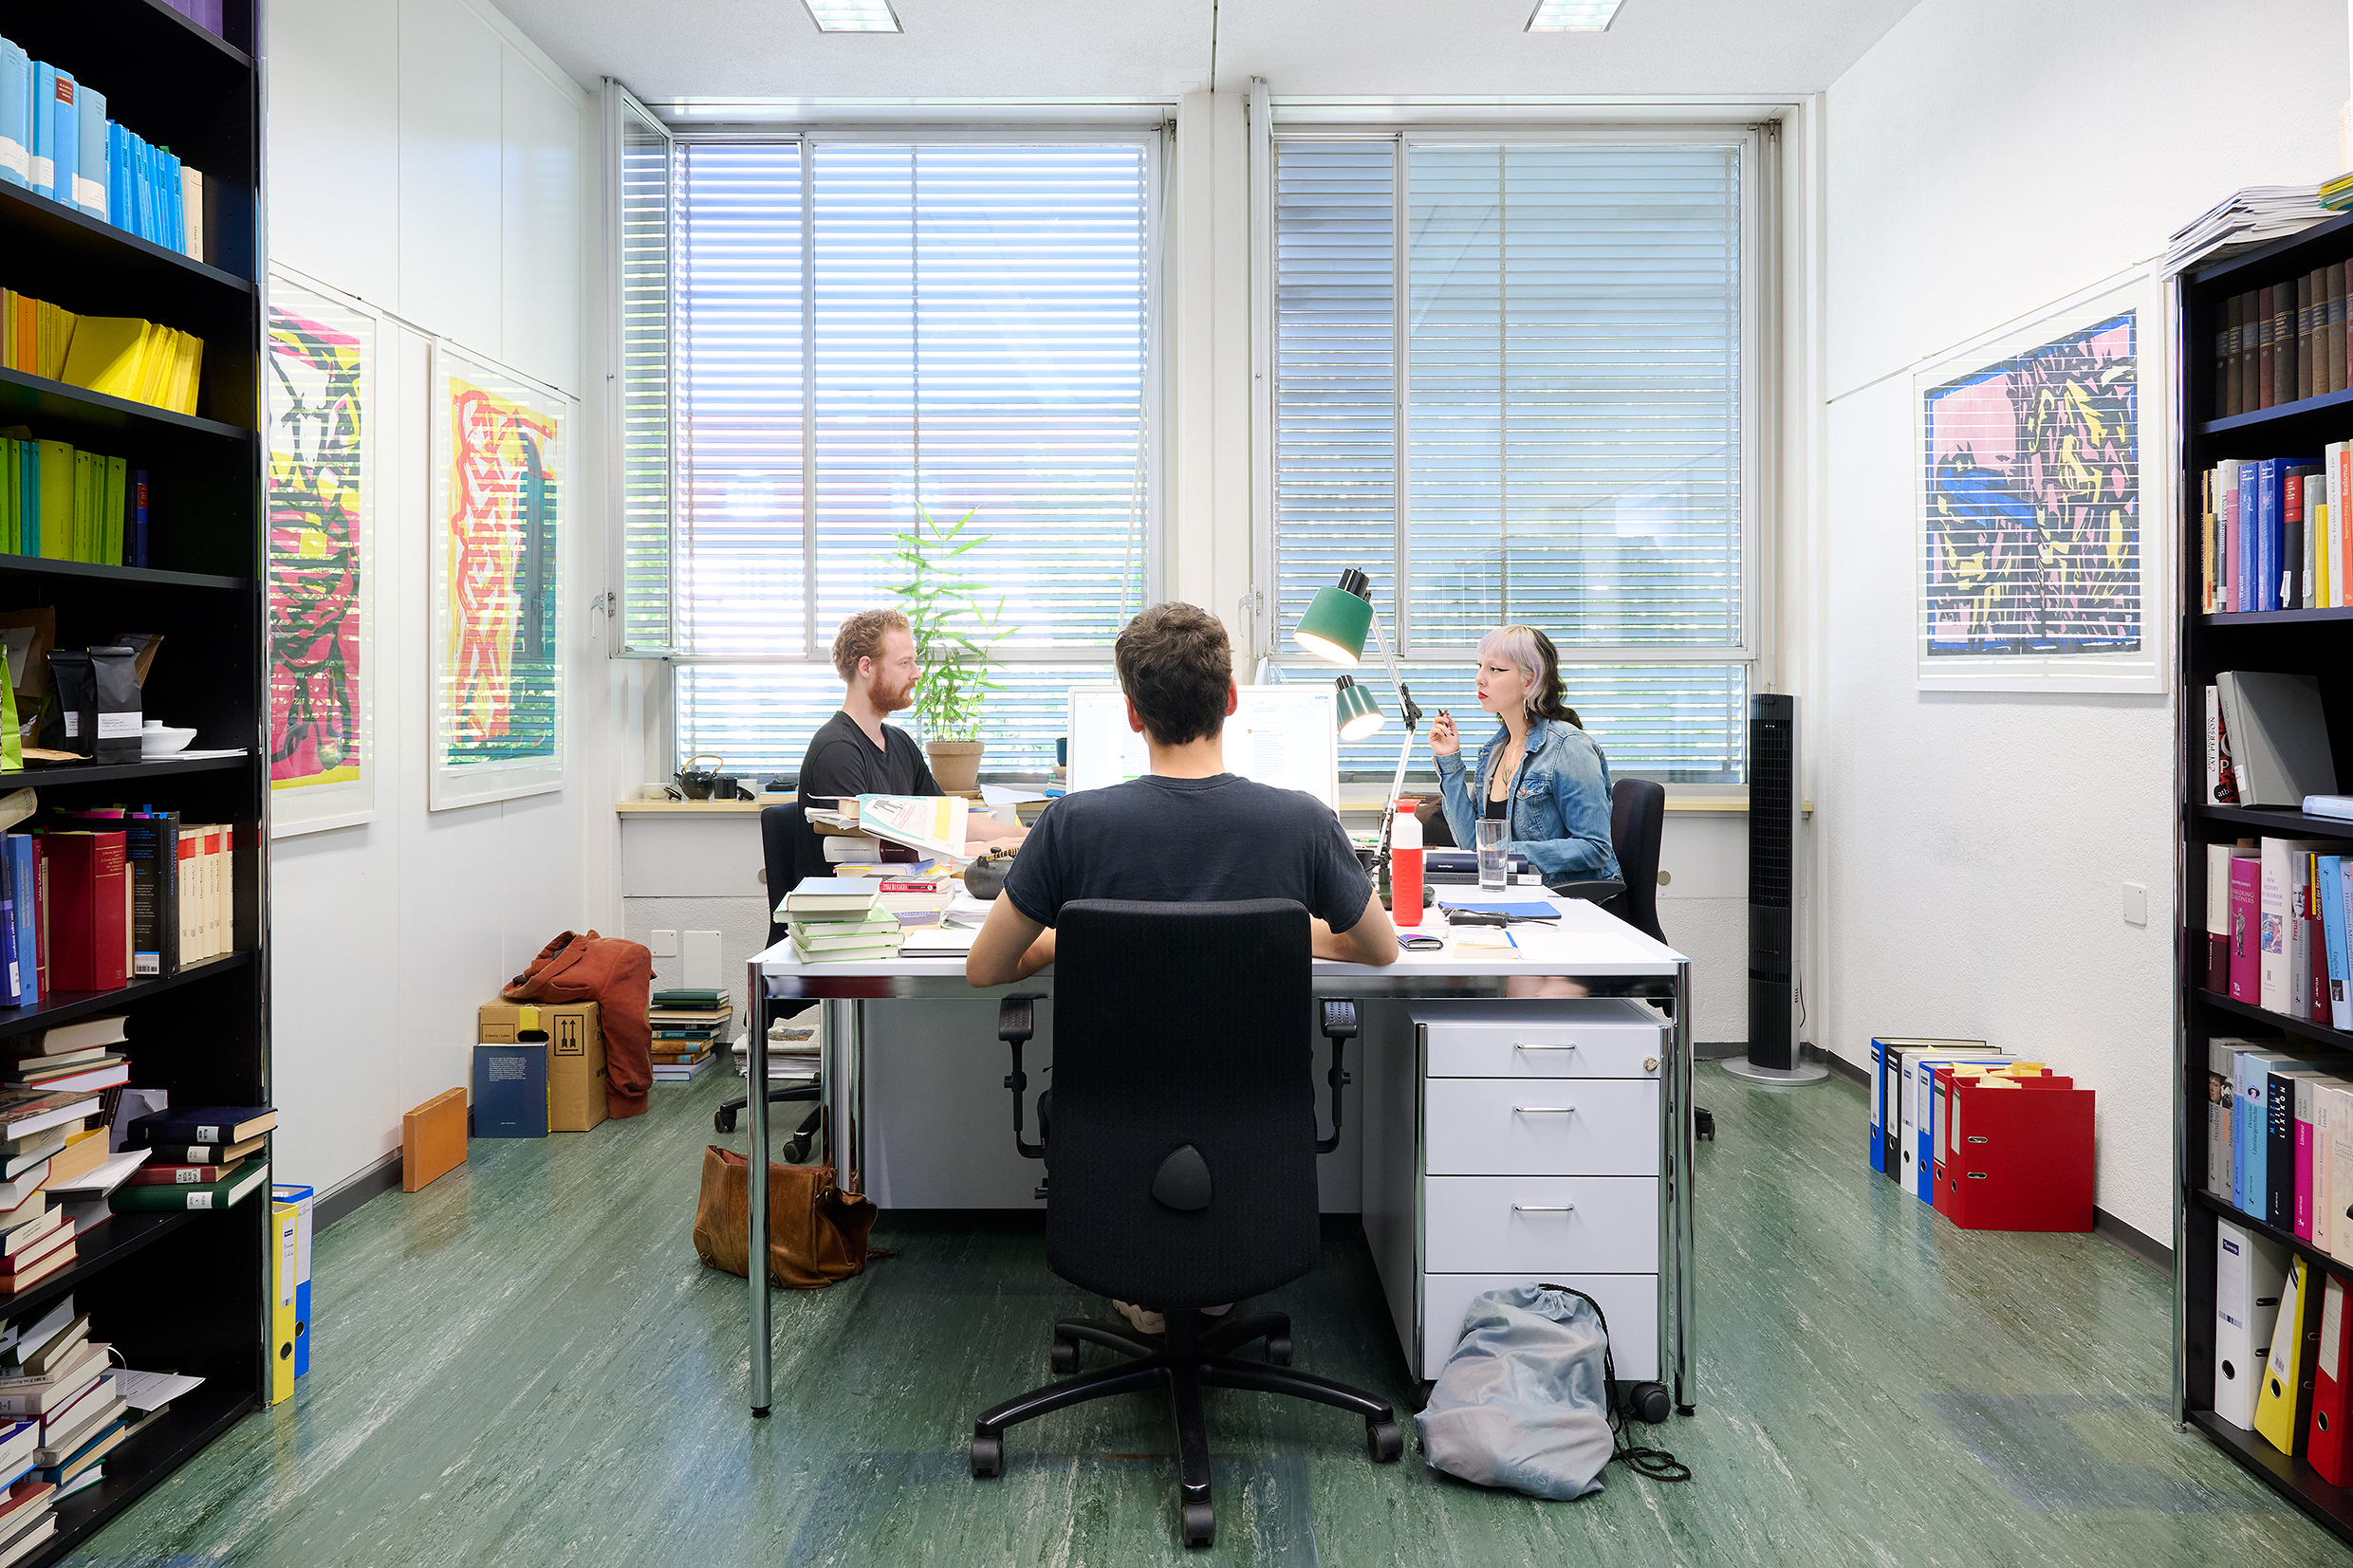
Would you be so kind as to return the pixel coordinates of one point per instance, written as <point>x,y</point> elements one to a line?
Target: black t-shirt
<point>840,761</point>
<point>1189,840</point>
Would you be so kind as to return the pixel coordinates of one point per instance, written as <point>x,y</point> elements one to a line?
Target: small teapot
<point>985,877</point>
<point>695,783</point>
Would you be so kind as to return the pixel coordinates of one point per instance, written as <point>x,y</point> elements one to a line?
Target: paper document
<point>102,1179</point>
<point>152,1391</point>
<point>927,823</point>
<point>938,942</point>
<point>997,795</point>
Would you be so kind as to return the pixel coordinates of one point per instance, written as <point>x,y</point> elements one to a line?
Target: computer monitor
<point>1281,735</point>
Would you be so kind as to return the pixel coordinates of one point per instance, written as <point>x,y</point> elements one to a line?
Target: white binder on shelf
<point>2249,1275</point>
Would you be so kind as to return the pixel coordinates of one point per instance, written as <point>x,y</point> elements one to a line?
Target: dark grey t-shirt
<point>1189,840</point>
<point>840,761</point>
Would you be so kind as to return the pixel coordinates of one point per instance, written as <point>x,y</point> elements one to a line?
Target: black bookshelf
<point>2316,641</point>
<point>187,1292</point>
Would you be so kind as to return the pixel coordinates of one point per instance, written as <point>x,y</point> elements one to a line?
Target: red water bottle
<point>1405,867</point>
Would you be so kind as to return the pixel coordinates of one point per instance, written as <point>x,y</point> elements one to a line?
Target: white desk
<point>1588,945</point>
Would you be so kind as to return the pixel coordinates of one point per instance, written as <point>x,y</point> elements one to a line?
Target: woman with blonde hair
<point>1540,773</point>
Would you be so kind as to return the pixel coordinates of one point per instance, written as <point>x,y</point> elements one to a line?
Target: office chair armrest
<point>1340,1025</point>
<point>1017,1020</point>
<point>1598,891</point>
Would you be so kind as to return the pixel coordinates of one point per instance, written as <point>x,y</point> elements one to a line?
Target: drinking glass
<point>1493,865</point>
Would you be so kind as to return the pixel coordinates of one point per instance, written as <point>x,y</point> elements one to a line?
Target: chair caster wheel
<point>1279,1349</point>
<point>723,1120</point>
<point>1384,1441</point>
<point>1066,1358</point>
<point>988,1457</point>
<point>797,1152</point>
<point>1200,1524</point>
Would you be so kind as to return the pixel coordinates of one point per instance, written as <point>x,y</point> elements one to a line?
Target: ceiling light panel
<point>1572,16</point>
<point>858,15</point>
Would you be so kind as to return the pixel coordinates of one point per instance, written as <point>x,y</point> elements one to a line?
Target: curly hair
<point>1540,663</point>
<point>1176,665</point>
<point>860,637</point>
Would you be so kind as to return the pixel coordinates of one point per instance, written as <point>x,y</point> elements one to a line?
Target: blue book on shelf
<point>89,192</point>
<point>24,856</point>
<point>15,115</point>
<point>175,235</point>
<point>117,161</point>
<point>65,137</point>
<point>42,124</point>
<point>29,495</point>
<point>2270,530</point>
<point>11,982</point>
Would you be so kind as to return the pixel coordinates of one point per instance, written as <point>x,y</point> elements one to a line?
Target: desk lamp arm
<point>1410,712</point>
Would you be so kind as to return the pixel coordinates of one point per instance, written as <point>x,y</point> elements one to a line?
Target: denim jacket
<point>1559,811</point>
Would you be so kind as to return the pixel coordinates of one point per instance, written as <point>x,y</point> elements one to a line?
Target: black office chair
<point>788,850</point>
<point>1182,1160</point>
<point>1637,814</point>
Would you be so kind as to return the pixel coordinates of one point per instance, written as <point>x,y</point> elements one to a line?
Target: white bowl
<point>160,742</point>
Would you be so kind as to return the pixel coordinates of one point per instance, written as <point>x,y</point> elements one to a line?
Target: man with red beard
<point>854,752</point>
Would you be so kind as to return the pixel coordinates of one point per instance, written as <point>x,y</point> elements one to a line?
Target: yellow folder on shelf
<point>286,1237</point>
<point>57,471</point>
<point>2281,1397</point>
<point>105,354</point>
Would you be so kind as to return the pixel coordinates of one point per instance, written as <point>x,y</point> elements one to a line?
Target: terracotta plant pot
<point>955,764</point>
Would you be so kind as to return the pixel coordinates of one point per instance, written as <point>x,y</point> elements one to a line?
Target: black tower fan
<point>1773,1010</point>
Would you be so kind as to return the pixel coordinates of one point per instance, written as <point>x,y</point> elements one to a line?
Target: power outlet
<point>665,943</point>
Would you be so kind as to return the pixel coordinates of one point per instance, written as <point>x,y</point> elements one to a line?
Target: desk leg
<point>755,1187</point>
<point>1685,1330</point>
<point>846,1093</point>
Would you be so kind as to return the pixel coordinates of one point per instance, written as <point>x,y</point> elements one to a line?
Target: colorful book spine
<point>15,115</point>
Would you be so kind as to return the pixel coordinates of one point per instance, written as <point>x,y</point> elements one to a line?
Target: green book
<point>110,512</point>
<point>222,1194</point>
<point>691,996</point>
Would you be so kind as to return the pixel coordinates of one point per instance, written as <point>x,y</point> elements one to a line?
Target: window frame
<point>1757,148</point>
<point>1154,140</point>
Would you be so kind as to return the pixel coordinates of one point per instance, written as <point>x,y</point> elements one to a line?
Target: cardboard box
<point>575,1057</point>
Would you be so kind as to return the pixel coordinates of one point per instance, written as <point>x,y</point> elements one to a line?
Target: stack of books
<point>793,1050</point>
<point>53,1117</point>
<point>919,897</point>
<point>58,1386</point>
<point>688,1024</point>
<point>836,920</point>
<point>206,1158</point>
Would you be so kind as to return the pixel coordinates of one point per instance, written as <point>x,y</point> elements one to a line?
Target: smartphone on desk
<point>1420,942</point>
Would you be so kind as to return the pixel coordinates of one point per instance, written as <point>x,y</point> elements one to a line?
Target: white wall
<point>428,160</point>
<point>1986,158</point>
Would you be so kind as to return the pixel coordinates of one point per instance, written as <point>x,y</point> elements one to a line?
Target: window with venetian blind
<point>1510,385</point>
<point>864,325</point>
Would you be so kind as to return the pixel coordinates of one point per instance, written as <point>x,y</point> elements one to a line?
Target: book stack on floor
<point>838,920</point>
<point>204,1158</point>
<point>2277,533</point>
<point>794,1049</point>
<point>688,1022</point>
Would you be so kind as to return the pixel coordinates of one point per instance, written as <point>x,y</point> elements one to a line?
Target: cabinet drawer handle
<point>1543,1109</point>
<point>1544,1209</point>
<point>1534,1047</point>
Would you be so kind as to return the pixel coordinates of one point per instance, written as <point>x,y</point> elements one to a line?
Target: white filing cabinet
<point>1512,1142</point>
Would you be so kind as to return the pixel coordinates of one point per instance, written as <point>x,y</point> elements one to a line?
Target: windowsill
<point>1355,799</point>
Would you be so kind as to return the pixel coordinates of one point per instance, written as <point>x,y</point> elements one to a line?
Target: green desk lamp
<point>1333,630</point>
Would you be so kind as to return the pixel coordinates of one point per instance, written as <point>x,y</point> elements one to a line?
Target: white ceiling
<point>1079,50</point>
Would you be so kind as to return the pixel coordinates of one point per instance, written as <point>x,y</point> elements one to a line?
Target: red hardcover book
<point>47,1264</point>
<point>2332,1389</point>
<point>2247,930</point>
<point>2023,1158</point>
<point>178,1175</point>
<point>40,910</point>
<point>90,905</point>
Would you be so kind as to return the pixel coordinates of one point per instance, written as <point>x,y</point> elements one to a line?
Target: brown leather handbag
<point>816,1232</point>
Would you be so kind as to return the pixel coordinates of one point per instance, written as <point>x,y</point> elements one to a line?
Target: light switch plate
<point>2136,904</point>
<point>665,943</point>
<point>703,959</point>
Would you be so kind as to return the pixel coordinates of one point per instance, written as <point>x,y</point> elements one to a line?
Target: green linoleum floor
<point>525,1365</point>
